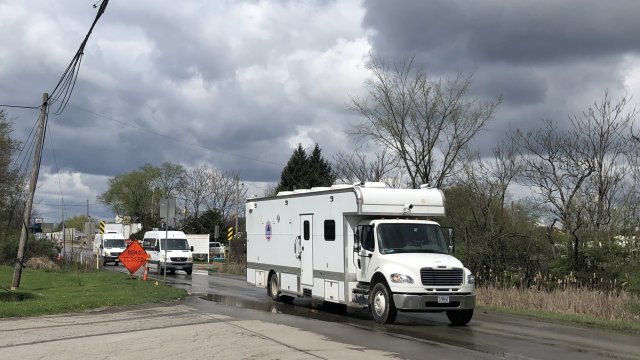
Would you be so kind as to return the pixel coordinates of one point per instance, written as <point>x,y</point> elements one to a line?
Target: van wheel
<point>272,288</point>
<point>381,304</point>
<point>459,317</point>
<point>188,271</point>
<point>160,269</point>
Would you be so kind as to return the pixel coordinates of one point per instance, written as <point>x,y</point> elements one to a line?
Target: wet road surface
<point>414,335</point>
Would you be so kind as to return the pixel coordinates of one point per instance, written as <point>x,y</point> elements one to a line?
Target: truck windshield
<point>114,243</point>
<point>410,238</point>
<point>174,244</point>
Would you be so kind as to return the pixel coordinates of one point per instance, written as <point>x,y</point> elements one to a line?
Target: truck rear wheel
<point>381,304</point>
<point>459,317</point>
<point>272,288</point>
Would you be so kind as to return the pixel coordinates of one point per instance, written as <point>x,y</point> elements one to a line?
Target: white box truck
<point>365,245</point>
<point>109,247</point>
<point>169,251</point>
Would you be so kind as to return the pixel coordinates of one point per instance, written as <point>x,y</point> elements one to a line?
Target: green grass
<point>570,319</point>
<point>52,292</point>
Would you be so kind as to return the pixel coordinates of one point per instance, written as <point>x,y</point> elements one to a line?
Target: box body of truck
<point>364,245</point>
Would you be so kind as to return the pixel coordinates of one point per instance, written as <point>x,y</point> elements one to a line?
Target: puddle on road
<point>315,310</point>
<point>409,326</point>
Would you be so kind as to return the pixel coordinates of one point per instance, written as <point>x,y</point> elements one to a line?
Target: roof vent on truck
<point>371,184</point>
<point>341,186</point>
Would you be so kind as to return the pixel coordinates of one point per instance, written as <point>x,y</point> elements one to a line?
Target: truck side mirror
<point>101,247</point>
<point>191,248</point>
<point>357,247</point>
<point>156,248</point>
<point>451,238</point>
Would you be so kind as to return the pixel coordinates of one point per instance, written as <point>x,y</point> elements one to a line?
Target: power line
<point>73,205</point>
<point>68,80</point>
<point>19,106</point>
<point>55,161</point>
<point>24,145</point>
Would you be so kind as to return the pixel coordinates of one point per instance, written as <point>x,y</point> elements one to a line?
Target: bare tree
<point>355,167</point>
<point>425,123</point>
<point>195,190</point>
<point>556,165</point>
<point>605,128</point>
<point>223,193</point>
<point>482,184</point>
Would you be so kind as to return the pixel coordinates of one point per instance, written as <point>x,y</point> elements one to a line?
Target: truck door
<point>306,256</point>
<point>366,251</point>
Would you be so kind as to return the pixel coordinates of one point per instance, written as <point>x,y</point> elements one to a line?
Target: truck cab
<point>169,251</point>
<point>405,265</point>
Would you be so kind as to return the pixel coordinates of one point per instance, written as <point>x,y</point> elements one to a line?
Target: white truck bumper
<point>434,302</point>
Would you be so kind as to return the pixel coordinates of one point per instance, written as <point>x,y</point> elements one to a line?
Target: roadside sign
<point>133,257</point>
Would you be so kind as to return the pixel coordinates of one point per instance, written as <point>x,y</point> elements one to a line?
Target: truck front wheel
<point>459,317</point>
<point>381,304</point>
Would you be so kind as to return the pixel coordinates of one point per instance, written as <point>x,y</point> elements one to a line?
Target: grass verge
<point>569,319</point>
<point>51,292</point>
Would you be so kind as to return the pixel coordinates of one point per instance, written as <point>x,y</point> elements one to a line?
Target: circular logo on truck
<point>267,230</point>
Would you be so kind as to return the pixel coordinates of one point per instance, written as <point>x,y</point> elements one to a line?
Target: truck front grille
<point>444,277</point>
<point>178,259</point>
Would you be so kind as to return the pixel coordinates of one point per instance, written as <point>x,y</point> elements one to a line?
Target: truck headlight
<point>470,279</point>
<point>106,253</point>
<point>400,278</point>
<point>190,258</point>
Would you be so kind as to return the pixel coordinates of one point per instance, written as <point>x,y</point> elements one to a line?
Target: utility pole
<point>35,170</point>
<point>237,200</point>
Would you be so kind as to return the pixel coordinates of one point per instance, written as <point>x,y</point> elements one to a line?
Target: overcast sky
<point>236,85</point>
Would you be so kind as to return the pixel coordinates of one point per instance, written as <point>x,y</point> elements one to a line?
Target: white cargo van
<point>110,246</point>
<point>363,245</point>
<point>169,251</point>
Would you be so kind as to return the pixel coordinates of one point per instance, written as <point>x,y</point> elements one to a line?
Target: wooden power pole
<point>35,170</point>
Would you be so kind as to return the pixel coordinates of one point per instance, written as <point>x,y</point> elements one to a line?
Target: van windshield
<point>410,238</point>
<point>114,243</point>
<point>174,244</point>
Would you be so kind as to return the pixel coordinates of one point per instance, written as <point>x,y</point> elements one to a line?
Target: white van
<point>169,250</point>
<point>110,247</point>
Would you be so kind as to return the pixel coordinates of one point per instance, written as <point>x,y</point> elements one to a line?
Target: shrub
<point>35,248</point>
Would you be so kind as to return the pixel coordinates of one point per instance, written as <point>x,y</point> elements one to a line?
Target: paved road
<point>200,329</point>
<point>488,334</point>
<point>226,318</point>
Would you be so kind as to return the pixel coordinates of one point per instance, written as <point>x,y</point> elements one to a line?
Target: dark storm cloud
<point>237,85</point>
<point>548,59</point>
<point>514,32</point>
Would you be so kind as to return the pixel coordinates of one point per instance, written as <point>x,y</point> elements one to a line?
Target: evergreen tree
<point>320,170</point>
<point>303,171</point>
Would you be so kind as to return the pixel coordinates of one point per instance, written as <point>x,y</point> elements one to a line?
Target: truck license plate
<point>443,299</point>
